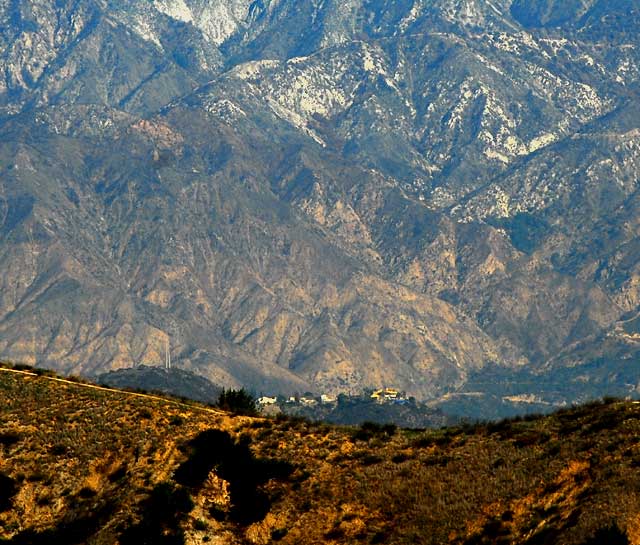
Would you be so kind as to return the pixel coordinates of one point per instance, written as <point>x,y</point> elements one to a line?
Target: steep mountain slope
<point>212,260</point>
<point>319,195</point>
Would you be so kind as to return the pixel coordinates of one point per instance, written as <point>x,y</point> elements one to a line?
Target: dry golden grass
<point>111,461</point>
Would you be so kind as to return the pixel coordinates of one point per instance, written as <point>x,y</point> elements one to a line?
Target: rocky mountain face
<point>324,194</point>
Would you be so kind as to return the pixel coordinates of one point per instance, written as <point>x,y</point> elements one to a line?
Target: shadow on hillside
<point>235,463</point>
<point>69,532</point>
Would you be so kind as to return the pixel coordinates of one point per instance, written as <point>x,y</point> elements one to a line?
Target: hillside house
<point>386,394</point>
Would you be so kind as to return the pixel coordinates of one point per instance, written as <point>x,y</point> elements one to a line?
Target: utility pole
<point>33,346</point>
<point>167,354</point>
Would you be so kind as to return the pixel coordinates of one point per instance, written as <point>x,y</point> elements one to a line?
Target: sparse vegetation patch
<point>80,466</point>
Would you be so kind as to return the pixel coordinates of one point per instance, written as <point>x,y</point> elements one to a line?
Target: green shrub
<point>23,367</point>
<point>278,534</point>
<point>238,402</point>
<point>87,492</point>
<point>371,459</point>
<point>8,439</point>
<point>200,525</point>
<point>8,489</point>
<point>400,457</point>
<point>176,420</point>
<point>118,474</point>
<point>369,430</point>
<point>609,535</point>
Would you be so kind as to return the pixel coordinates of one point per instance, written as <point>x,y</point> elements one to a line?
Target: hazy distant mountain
<point>175,382</point>
<point>322,195</point>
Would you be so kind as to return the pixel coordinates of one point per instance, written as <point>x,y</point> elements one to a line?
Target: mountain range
<point>325,195</point>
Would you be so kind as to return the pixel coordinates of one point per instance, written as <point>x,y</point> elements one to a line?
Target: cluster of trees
<point>238,402</point>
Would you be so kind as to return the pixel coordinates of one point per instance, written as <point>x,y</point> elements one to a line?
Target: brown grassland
<point>84,465</point>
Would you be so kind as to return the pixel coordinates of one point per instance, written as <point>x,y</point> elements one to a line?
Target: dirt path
<point>113,390</point>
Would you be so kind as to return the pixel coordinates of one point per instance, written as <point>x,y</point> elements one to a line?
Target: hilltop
<point>81,464</point>
<point>175,382</point>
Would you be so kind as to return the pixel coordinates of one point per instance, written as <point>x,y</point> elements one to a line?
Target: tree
<point>238,402</point>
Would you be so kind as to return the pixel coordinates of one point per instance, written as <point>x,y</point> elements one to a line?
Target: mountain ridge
<point>402,193</point>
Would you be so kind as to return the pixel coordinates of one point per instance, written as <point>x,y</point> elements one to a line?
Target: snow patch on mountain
<point>221,19</point>
<point>224,109</point>
<point>176,9</point>
<point>216,19</point>
<point>542,141</point>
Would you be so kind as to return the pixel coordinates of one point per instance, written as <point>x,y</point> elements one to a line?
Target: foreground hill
<point>404,193</point>
<point>86,465</point>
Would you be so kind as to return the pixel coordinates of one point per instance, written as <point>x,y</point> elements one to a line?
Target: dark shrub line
<point>238,402</point>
